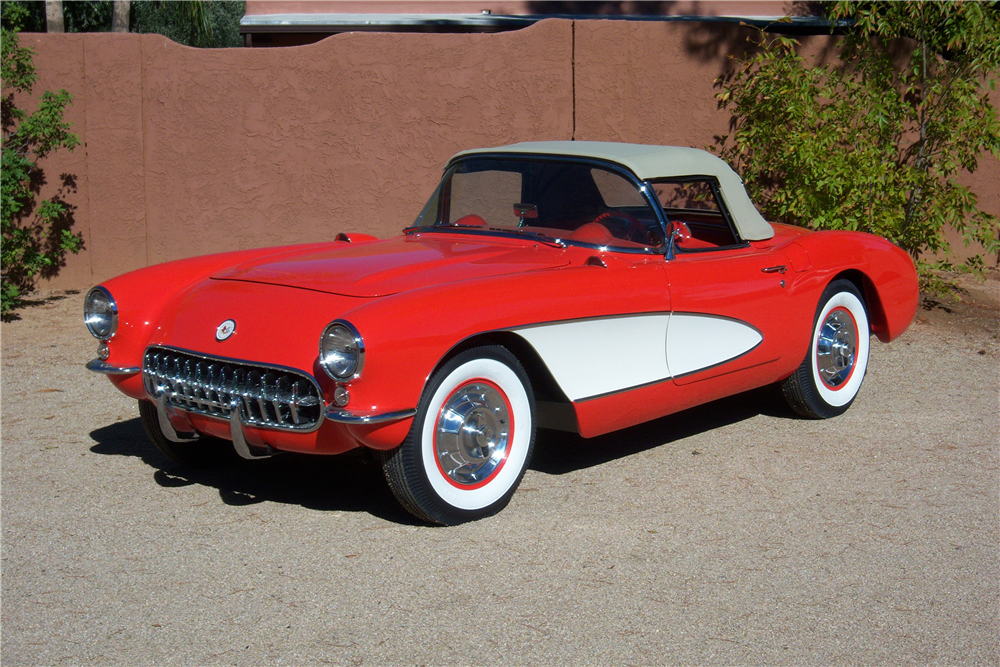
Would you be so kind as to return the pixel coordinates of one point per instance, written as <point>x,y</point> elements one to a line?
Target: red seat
<point>471,220</point>
<point>593,232</point>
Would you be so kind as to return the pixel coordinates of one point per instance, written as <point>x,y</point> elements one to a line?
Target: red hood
<point>395,265</point>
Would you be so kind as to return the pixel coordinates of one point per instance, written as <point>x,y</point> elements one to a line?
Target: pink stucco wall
<point>190,151</point>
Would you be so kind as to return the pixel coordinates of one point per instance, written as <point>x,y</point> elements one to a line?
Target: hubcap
<point>472,433</point>
<point>837,348</point>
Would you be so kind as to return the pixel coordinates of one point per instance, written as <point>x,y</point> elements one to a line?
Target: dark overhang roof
<point>337,23</point>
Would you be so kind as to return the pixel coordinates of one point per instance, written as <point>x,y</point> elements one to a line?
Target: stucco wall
<point>190,151</point>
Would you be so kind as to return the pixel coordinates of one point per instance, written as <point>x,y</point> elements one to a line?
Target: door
<point>727,312</point>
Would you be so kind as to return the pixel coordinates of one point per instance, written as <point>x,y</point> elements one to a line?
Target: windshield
<point>576,203</point>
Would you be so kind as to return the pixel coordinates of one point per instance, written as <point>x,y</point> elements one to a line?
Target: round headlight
<point>100,313</point>
<point>341,350</point>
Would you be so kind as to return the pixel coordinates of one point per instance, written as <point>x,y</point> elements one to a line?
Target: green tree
<point>36,237</point>
<point>194,23</point>
<point>874,142</point>
<point>190,22</point>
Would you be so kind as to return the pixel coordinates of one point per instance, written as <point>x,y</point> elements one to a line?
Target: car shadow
<point>350,482</point>
<point>558,452</point>
<point>353,482</point>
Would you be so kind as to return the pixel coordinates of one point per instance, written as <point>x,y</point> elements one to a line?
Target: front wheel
<point>828,380</point>
<point>470,442</point>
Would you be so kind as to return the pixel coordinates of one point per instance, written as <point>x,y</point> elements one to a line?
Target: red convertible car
<point>581,286</point>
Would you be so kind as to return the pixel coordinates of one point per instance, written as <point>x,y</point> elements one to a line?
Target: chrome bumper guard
<point>240,443</point>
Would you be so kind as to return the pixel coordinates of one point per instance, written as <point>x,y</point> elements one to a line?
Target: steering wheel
<point>624,226</point>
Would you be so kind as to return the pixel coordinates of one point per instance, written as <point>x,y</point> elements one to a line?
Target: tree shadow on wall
<point>63,223</point>
<point>727,42</point>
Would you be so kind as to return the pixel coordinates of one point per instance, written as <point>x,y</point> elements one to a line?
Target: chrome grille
<point>268,396</point>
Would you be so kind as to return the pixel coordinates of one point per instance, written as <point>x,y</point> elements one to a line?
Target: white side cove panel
<point>593,357</point>
<point>696,342</point>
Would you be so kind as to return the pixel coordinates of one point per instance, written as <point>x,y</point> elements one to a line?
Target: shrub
<point>36,237</point>
<point>874,141</point>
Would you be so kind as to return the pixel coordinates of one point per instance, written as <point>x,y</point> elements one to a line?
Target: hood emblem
<point>225,330</point>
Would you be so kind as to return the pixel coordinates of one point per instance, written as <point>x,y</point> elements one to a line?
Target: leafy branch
<point>36,235</point>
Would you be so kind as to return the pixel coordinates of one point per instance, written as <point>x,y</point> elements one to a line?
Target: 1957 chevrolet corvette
<point>581,286</point>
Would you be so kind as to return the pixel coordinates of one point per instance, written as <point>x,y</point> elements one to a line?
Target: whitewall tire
<point>470,442</point>
<point>829,378</point>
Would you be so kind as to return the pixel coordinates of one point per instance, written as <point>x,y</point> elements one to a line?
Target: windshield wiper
<point>543,238</point>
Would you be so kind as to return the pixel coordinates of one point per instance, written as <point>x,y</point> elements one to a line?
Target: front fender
<point>143,295</point>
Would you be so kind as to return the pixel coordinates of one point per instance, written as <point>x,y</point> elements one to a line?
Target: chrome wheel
<point>472,433</point>
<point>837,348</point>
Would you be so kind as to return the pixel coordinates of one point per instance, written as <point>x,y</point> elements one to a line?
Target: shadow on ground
<point>14,316</point>
<point>558,453</point>
<point>353,482</point>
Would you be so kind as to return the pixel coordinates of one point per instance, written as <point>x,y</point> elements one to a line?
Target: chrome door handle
<point>775,269</point>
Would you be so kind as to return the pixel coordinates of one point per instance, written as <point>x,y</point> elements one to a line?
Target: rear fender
<point>883,272</point>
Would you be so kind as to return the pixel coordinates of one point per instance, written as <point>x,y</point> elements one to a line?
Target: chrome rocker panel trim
<point>340,416</point>
<point>104,368</point>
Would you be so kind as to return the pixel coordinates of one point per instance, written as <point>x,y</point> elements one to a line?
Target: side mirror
<point>525,212</point>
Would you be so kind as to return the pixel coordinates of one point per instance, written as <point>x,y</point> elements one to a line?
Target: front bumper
<point>337,431</point>
<point>104,368</point>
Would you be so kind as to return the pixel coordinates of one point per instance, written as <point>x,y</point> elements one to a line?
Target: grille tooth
<point>293,408</point>
<point>268,396</point>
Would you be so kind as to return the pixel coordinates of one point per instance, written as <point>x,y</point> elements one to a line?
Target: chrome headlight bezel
<point>345,363</point>
<point>101,325</point>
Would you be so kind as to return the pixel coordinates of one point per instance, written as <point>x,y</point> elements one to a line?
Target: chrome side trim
<point>339,416</point>
<point>545,323</point>
<point>623,390</point>
<point>104,368</point>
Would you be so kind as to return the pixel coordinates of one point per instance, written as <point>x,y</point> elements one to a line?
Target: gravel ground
<point>733,533</point>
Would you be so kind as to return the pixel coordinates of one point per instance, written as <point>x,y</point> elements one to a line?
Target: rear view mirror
<point>525,212</point>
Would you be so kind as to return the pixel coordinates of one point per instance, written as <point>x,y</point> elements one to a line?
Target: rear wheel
<point>470,442</point>
<point>206,450</point>
<point>830,376</point>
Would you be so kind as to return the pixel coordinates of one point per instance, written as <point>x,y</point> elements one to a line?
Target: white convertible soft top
<point>651,162</point>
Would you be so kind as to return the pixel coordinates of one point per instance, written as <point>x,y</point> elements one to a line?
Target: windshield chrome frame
<point>642,187</point>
